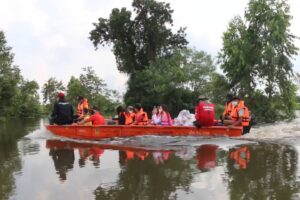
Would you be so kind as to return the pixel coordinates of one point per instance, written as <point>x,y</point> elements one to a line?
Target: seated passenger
<point>205,113</point>
<point>62,112</point>
<point>228,107</point>
<point>165,116</point>
<point>130,114</point>
<point>155,118</point>
<point>141,117</point>
<point>239,116</point>
<point>96,118</point>
<point>85,115</point>
<point>121,115</point>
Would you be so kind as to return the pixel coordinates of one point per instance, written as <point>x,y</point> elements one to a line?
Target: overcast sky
<point>50,37</point>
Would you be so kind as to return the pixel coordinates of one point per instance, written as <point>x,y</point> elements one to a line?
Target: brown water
<point>34,164</point>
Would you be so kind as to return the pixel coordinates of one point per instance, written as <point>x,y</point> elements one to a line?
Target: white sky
<point>50,37</point>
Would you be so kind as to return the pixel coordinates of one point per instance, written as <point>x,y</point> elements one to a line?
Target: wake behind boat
<point>111,131</point>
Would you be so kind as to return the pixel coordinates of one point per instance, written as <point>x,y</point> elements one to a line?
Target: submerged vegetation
<point>161,68</point>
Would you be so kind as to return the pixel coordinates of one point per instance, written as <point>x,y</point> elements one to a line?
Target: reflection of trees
<point>63,161</point>
<point>10,132</point>
<point>270,173</point>
<point>147,180</point>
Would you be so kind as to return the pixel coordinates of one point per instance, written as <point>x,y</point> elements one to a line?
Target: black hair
<point>85,111</point>
<point>95,108</point>
<point>120,109</point>
<point>79,98</point>
<point>230,96</point>
<point>137,106</point>
<point>164,107</point>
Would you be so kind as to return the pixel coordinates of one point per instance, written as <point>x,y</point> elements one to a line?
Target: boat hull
<point>111,131</point>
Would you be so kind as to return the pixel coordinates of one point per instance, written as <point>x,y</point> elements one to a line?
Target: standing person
<point>141,117</point>
<point>205,113</point>
<point>96,118</point>
<point>240,116</point>
<point>165,116</point>
<point>82,104</point>
<point>62,111</point>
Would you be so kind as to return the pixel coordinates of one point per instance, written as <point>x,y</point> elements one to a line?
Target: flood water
<point>34,164</point>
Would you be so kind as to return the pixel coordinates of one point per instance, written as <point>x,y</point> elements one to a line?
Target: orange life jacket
<point>129,118</point>
<point>228,109</point>
<point>81,105</point>
<point>235,114</point>
<point>141,118</point>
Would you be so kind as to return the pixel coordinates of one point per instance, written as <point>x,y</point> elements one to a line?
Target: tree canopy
<point>176,81</point>
<point>256,57</point>
<point>88,85</point>
<point>18,97</point>
<point>140,39</point>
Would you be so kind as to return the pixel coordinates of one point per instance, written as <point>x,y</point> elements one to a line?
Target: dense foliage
<point>256,59</point>
<point>140,39</point>
<point>18,97</point>
<point>176,81</point>
<point>88,85</point>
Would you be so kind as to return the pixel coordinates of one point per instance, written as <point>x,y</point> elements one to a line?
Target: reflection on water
<point>271,172</point>
<point>10,162</point>
<point>63,161</point>
<point>42,166</point>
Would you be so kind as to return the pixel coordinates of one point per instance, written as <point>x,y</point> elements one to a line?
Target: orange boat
<point>111,131</point>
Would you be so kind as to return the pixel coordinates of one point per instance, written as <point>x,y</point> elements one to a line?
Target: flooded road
<point>34,164</point>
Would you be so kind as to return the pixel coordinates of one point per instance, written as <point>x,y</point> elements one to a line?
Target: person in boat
<point>85,115</point>
<point>155,118</point>
<point>62,113</point>
<point>141,117</point>
<point>130,111</point>
<point>240,115</point>
<point>204,113</point>
<point>228,107</point>
<point>96,118</point>
<point>165,117</point>
<point>125,117</point>
<point>82,104</point>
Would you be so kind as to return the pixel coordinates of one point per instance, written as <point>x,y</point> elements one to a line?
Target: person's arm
<point>240,120</point>
<point>90,119</point>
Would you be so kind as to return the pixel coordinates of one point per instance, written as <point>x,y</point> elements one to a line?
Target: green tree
<point>256,57</point>
<point>75,89</point>
<point>18,97</point>
<point>92,83</point>
<point>9,78</point>
<point>91,86</point>
<point>28,99</point>
<point>138,41</point>
<point>50,90</point>
<point>176,81</point>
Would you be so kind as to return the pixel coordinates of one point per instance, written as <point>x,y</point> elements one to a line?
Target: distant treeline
<point>255,63</point>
